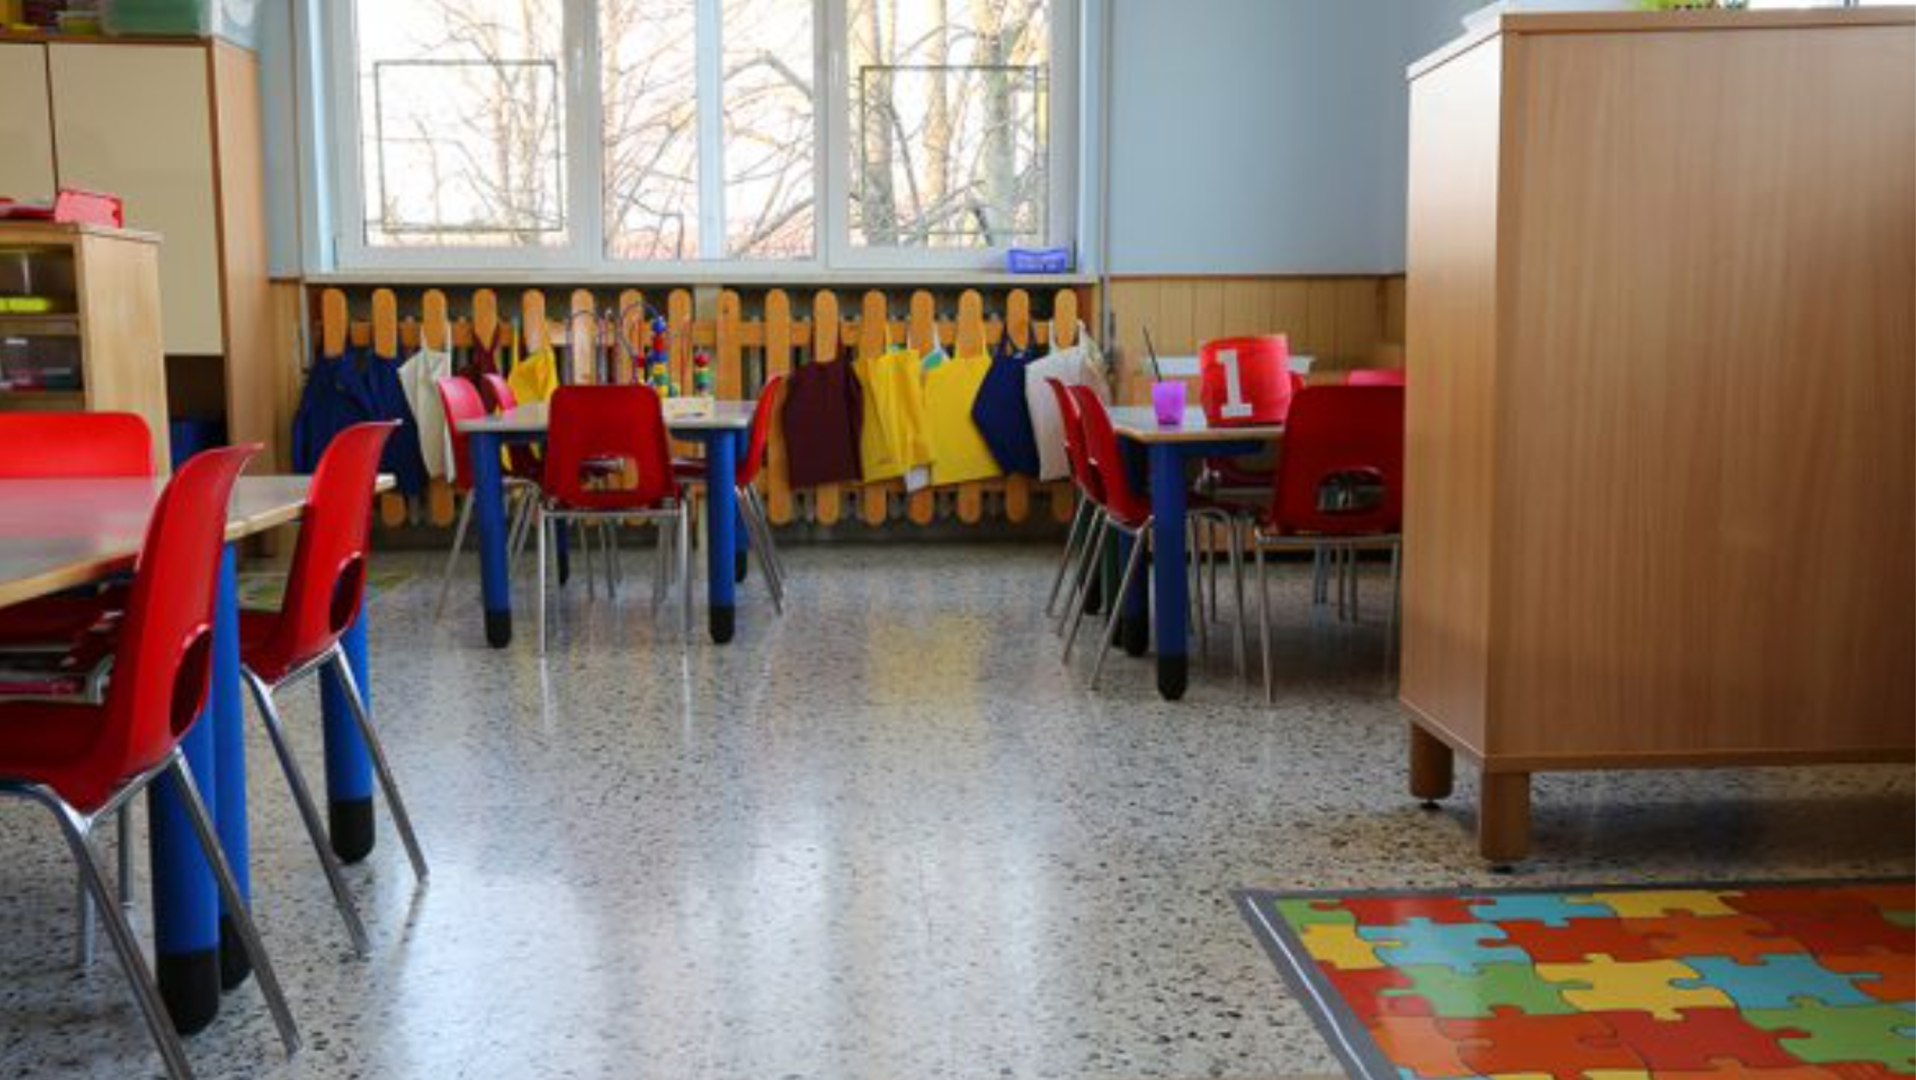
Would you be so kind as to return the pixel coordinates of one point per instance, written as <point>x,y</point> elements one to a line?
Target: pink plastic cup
<point>1167,398</point>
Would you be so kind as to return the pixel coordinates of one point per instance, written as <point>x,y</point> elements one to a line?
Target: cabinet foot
<point>1503,817</point>
<point>1432,766</point>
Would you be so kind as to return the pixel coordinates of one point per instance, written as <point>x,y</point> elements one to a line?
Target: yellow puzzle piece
<point>1656,903</point>
<point>1603,984</point>
<point>1339,946</point>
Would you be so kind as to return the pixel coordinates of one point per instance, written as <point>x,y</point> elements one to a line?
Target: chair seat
<point>54,743</point>
<point>613,500</point>
<point>260,654</point>
<point>58,621</point>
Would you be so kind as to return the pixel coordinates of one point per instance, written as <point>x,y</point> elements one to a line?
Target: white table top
<point>530,419</point>
<point>1140,424</point>
<point>56,534</point>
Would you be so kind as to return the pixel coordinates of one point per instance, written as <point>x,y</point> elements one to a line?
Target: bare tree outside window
<point>770,129</point>
<point>649,87</point>
<point>950,132</point>
<point>462,122</point>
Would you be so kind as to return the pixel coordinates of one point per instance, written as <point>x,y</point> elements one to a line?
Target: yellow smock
<point>893,438</point>
<point>534,378</point>
<point>959,452</point>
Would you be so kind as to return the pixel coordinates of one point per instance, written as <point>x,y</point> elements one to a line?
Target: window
<point>949,123</point>
<point>595,134</point>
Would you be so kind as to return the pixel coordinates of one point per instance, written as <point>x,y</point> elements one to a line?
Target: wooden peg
<point>335,322</point>
<point>385,323</point>
<point>435,325</point>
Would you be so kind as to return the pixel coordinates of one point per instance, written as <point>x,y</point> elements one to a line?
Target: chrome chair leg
<point>1239,651</point>
<point>1320,577</point>
<point>685,568</point>
<point>661,562</point>
<point>452,557</point>
<point>771,541</point>
<point>1077,587</point>
<point>1195,563</point>
<point>1139,543</point>
<point>84,948</point>
<point>1264,621</point>
<point>236,908</point>
<point>540,525</point>
<point>146,993</point>
<point>308,811</point>
<point>1065,562</point>
<point>402,821</point>
<point>755,529</point>
<point>1075,616</point>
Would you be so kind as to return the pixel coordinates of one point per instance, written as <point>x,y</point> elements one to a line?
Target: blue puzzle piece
<point>1775,983</point>
<point>1550,909</point>
<point>1459,946</point>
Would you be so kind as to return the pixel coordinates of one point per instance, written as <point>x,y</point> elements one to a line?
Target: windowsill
<point>736,277</point>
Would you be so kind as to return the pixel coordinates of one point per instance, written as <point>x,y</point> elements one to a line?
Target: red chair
<point>1375,377</point>
<point>1339,488</point>
<point>461,400</point>
<point>85,761</point>
<point>325,584</point>
<point>1125,510</point>
<point>60,446</point>
<point>1086,523</point>
<point>758,523</point>
<point>590,426</point>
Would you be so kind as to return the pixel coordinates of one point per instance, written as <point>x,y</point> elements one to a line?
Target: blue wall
<point>1264,136</point>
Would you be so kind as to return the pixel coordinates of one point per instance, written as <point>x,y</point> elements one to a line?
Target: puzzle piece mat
<point>1796,981</point>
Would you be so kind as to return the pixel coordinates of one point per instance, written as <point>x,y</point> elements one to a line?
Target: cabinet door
<point>26,123</point>
<point>136,120</point>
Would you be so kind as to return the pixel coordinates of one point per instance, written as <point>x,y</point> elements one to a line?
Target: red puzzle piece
<point>1897,971</point>
<point>1745,939</point>
<point>1415,1043</point>
<point>1579,940</point>
<point>1363,990</point>
<point>1730,1070</point>
<point>1398,910</point>
<point>1702,1036</point>
<point>1566,1047</point>
<point>1825,901</point>
<point>1849,934</point>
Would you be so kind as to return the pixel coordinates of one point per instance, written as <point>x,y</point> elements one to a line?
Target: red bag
<point>1246,380</point>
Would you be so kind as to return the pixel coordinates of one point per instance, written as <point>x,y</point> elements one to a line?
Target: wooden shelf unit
<point>1661,499</point>
<point>112,315</point>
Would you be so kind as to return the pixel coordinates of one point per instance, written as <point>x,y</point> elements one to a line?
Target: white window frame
<point>584,251</point>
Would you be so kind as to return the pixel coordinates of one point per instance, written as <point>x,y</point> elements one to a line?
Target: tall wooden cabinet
<point>172,126</point>
<point>1661,499</point>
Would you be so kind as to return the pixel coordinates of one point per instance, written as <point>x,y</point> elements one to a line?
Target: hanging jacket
<point>334,399</point>
<point>420,376</point>
<point>959,452</point>
<point>535,378</point>
<point>484,359</point>
<point>1080,365</point>
<point>1002,413</point>
<point>402,456</point>
<point>823,417</point>
<point>893,440</point>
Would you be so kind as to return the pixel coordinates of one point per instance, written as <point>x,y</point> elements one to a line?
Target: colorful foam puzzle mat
<point>1793,981</point>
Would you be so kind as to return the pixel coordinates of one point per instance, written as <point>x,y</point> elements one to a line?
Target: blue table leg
<point>186,906</point>
<point>349,769</point>
<point>1134,630</point>
<point>1170,592</point>
<point>721,533</point>
<point>488,487</point>
<point>228,717</point>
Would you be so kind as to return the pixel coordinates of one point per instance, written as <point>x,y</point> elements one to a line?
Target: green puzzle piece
<point>1855,1033</point>
<point>1302,913</point>
<point>1901,918</point>
<point>1462,994</point>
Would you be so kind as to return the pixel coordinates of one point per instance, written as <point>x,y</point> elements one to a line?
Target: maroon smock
<point>824,409</point>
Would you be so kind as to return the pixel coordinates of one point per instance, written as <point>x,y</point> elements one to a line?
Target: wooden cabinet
<point>154,148</point>
<point>172,126</point>
<point>96,344</point>
<point>26,124</point>
<point>1661,500</point>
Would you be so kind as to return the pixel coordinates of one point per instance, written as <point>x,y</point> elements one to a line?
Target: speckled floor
<point>888,836</point>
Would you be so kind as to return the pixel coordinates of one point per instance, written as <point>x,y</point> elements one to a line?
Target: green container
<point>235,20</point>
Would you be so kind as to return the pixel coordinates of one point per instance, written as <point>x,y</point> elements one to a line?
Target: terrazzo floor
<point>887,836</point>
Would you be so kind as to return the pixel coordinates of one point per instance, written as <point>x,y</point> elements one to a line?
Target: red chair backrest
<point>754,459</point>
<point>1102,454</point>
<point>59,445</point>
<point>162,661</point>
<point>1245,380</point>
<point>502,394</point>
<point>607,423</point>
<point>1375,377</point>
<point>1082,474</point>
<point>327,577</point>
<point>1338,436</point>
<point>461,400</point>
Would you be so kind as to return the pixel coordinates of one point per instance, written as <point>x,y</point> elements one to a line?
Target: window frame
<point>584,250</point>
